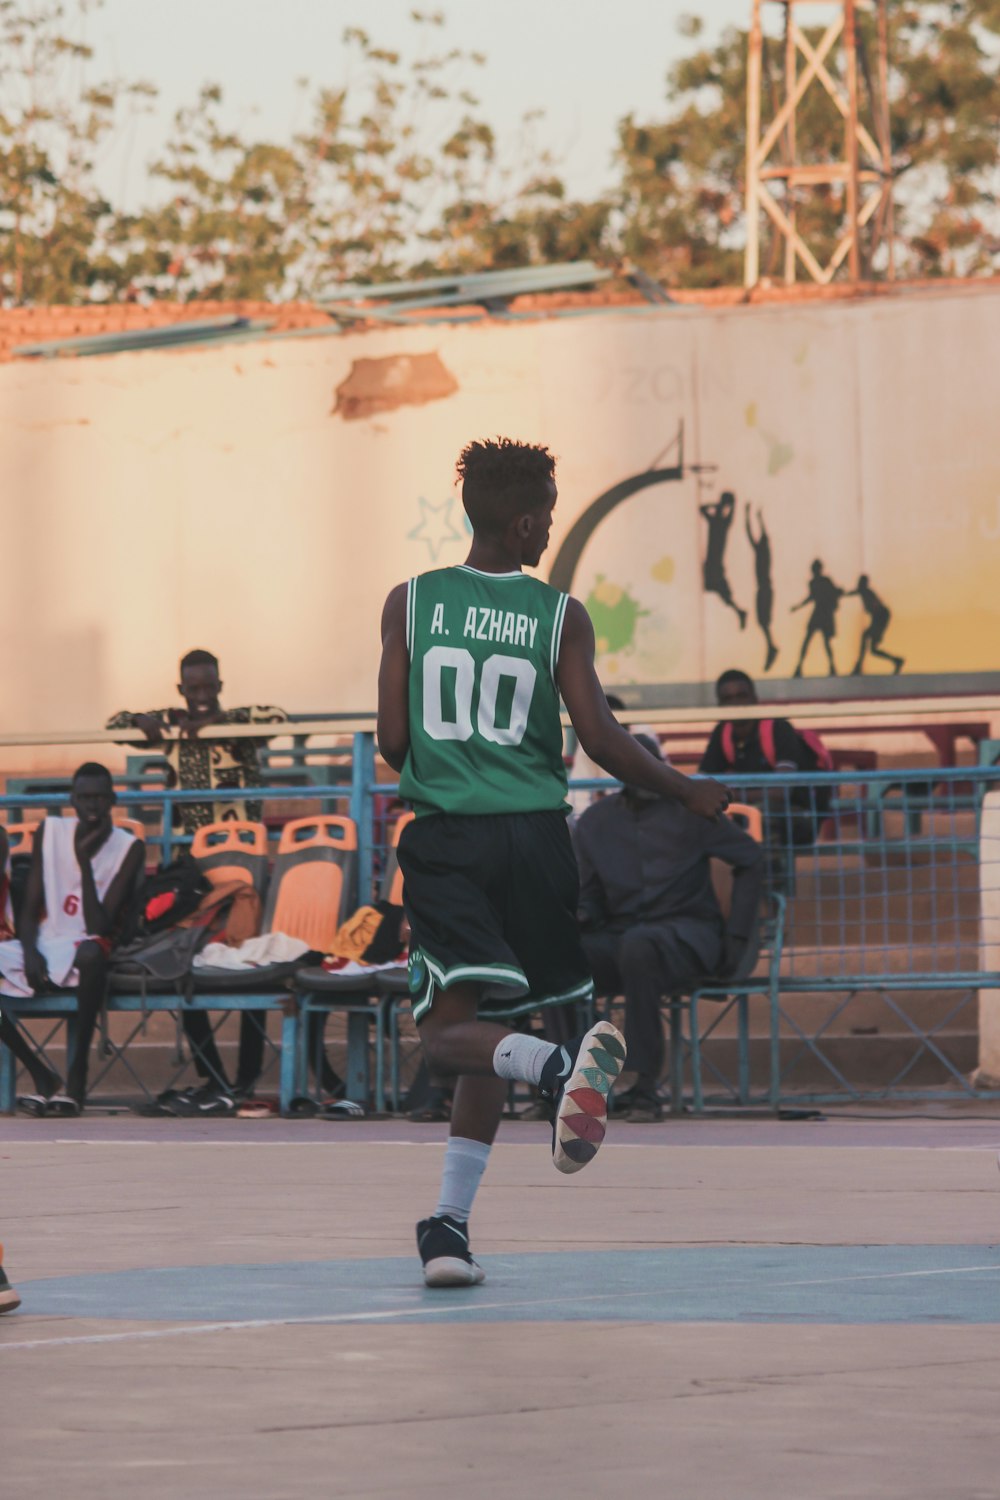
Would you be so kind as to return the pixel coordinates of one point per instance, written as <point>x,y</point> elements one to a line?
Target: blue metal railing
<point>882,873</point>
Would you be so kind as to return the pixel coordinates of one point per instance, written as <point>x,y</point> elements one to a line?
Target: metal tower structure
<point>858,87</point>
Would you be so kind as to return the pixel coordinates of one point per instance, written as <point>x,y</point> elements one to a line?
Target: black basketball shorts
<point>492,900</point>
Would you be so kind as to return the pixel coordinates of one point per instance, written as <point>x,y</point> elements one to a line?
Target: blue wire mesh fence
<point>886,961</point>
<point>888,951</point>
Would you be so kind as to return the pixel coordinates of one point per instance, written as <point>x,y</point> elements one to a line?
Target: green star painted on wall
<point>437,527</point>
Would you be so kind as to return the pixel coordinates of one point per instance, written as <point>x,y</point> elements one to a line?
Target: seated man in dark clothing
<point>759,747</point>
<point>652,925</point>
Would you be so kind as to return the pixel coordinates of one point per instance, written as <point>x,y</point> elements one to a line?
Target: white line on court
<point>424,1311</point>
<point>738,1145</point>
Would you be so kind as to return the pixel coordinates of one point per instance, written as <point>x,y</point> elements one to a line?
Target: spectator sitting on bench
<point>652,925</point>
<point>82,872</point>
<point>221,765</point>
<point>759,747</point>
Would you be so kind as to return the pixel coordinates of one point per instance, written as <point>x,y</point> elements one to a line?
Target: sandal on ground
<point>645,1109</point>
<point>303,1107</point>
<point>257,1109</point>
<point>341,1109</point>
<point>62,1107</point>
<point>436,1107</point>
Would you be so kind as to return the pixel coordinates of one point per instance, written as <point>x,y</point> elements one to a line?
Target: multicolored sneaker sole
<point>581,1120</point>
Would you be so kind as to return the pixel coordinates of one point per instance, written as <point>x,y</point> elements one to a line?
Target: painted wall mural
<point>617,614</point>
<point>798,490</point>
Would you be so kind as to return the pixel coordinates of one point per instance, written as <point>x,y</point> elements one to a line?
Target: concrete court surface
<point>233,1309</point>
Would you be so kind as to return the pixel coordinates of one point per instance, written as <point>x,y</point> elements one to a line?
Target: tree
<point>683,178</point>
<point>53,221</point>
<point>355,197</point>
<point>516,213</point>
<point>397,172</point>
<point>946,134</point>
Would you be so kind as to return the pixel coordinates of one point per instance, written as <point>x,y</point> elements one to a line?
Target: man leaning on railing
<point>222,765</point>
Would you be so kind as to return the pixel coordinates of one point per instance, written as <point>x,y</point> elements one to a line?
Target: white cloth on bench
<point>254,953</point>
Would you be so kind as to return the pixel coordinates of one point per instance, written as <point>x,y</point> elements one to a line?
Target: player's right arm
<point>394,682</point>
<point>604,739</point>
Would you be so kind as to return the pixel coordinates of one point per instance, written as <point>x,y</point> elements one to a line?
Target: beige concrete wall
<point>154,502</point>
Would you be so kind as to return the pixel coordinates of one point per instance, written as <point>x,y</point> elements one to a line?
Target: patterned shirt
<point>218,764</point>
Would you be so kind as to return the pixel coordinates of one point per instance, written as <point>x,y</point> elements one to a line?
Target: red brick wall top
<point>31,325</point>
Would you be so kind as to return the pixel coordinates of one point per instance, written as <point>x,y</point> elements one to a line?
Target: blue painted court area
<point>852,1284</point>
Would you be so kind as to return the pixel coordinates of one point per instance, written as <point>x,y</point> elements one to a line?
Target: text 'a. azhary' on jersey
<point>485,735</point>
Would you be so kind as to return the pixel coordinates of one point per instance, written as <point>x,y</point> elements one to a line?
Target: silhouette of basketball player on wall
<point>824,596</point>
<point>879,616</point>
<point>761,545</point>
<point>720,518</point>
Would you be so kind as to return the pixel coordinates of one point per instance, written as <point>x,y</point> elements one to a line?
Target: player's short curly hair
<point>502,479</point>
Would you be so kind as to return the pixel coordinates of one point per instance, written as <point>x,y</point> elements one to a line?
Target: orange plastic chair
<point>750,819</point>
<point>312,884</point>
<point>232,851</point>
<point>392,880</point>
<point>20,837</point>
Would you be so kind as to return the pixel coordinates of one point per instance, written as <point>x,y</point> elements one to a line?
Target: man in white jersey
<point>82,871</point>
<point>474,660</point>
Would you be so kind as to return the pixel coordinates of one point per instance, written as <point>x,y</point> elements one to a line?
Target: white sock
<point>464,1164</point>
<point>522,1057</point>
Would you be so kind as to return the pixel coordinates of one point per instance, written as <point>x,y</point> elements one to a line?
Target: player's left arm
<point>394,682</point>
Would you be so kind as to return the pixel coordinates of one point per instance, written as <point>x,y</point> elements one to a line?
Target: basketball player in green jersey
<point>474,661</point>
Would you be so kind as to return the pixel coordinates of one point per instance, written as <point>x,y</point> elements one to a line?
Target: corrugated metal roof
<point>198,331</point>
<point>576,289</point>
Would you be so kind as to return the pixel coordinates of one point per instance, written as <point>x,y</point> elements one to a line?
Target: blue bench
<point>61,1006</point>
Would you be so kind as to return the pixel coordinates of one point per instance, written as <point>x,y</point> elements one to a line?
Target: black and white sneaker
<point>8,1297</point>
<point>63,1107</point>
<point>578,1078</point>
<point>443,1243</point>
<point>204,1103</point>
<point>33,1104</point>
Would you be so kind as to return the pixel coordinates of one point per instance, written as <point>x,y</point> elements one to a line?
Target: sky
<point>587,63</point>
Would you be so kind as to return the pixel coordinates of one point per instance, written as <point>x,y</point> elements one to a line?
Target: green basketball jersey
<point>485,735</point>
